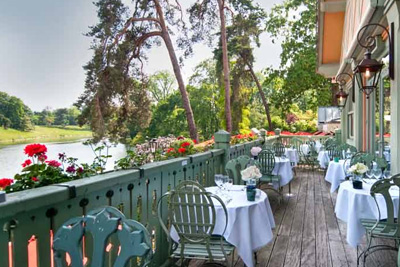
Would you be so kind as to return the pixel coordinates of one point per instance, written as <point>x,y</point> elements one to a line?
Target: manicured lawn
<point>43,134</point>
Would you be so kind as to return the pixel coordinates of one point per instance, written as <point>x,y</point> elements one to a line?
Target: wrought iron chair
<point>330,141</point>
<point>362,157</point>
<point>343,148</point>
<point>279,149</point>
<point>231,168</point>
<point>266,161</point>
<point>191,213</point>
<point>296,143</point>
<point>134,239</point>
<point>333,151</point>
<point>387,228</point>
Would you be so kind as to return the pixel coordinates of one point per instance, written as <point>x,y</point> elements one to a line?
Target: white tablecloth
<point>306,149</point>
<point>292,155</point>
<point>249,223</point>
<point>284,169</point>
<point>323,158</point>
<point>335,174</point>
<point>352,205</point>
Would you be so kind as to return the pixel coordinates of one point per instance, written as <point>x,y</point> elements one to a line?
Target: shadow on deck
<point>307,231</point>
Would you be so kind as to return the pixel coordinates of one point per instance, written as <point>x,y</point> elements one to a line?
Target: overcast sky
<point>43,49</point>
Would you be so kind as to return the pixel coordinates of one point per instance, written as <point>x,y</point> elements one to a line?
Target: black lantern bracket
<point>368,71</point>
<point>370,42</point>
<point>342,95</point>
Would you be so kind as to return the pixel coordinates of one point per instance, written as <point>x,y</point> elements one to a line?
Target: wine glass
<point>218,181</point>
<point>229,183</point>
<point>377,173</point>
<point>370,173</point>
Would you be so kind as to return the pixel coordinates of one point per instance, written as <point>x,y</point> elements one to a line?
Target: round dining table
<point>293,156</point>
<point>284,169</point>
<point>335,174</point>
<point>323,159</point>
<point>352,205</point>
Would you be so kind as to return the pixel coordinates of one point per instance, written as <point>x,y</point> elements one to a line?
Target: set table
<point>284,169</point>
<point>335,174</point>
<point>352,205</point>
<point>323,159</point>
<point>250,223</point>
<point>292,155</point>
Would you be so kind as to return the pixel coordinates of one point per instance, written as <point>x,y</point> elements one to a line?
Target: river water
<point>11,157</point>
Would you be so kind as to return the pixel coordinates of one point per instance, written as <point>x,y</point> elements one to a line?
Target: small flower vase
<point>2,196</point>
<point>357,181</point>
<point>251,189</point>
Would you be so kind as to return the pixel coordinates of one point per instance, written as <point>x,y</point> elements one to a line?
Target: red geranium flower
<point>70,169</point>
<point>35,149</point>
<point>182,150</point>
<point>194,141</point>
<point>4,182</point>
<point>185,144</point>
<point>180,138</point>
<point>171,149</point>
<point>42,157</point>
<point>53,163</point>
<point>26,163</point>
<point>34,179</point>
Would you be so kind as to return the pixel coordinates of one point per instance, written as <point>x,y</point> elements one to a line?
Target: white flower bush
<point>255,151</point>
<point>251,172</point>
<point>358,169</point>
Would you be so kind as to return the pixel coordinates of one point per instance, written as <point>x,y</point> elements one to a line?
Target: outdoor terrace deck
<point>307,231</point>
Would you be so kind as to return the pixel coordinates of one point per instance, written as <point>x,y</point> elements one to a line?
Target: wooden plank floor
<point>307,231</point>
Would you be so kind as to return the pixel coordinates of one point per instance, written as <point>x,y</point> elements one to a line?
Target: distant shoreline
<point>43,134</point>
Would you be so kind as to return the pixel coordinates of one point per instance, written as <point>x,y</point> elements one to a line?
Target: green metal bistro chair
<point>343,148</point>
<point>330,141</point>
<point>333,151</point>
<point>296,143</point>
<point>242,161</point>
<point>266,161</point>
<point>387,228</point>
<point>191,212</point>
<point>231,168</point>
<point>279,149</point>
<point>134,239</point>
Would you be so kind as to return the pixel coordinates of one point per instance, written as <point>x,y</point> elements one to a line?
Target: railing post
<point>222,140</point>
<point>263,134</point>
<point>338,136</point>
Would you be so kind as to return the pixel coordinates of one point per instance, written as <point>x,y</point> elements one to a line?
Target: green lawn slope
<point>43,134</point>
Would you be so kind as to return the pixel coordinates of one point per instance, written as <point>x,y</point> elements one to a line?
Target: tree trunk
<point>263,98</point>
<point>178,74</point>
<point>225,63</point>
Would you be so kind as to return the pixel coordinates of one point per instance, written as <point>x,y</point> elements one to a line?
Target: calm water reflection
<point>11,157</point>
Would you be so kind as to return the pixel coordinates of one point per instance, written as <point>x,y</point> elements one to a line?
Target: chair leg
<point>290,191</point>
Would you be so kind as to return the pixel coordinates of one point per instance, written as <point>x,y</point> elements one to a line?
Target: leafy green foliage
<point>14,113</point>
<point>293,22</point>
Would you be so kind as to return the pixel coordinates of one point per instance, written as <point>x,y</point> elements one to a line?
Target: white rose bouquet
<point>255,151</point>
<point>358,169</point>
<point>251,172</point>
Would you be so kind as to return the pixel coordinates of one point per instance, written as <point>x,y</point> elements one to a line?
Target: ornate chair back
<point>192,213</point>
<point>382,187</point>
<point>134,239</point>
<point>333,151</point>
<point>362,157</point>
<point>279,149</point>
<point>266,160</point>
<point>232,170</point>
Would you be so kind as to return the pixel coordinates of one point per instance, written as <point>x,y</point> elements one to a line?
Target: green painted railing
<point>29,218</point>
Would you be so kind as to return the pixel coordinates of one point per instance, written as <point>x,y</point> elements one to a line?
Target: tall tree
<point>114,98</point>
<point>203,15</point>
<point>293,22</point>
<point>154,18</point>
<point>243,34</point>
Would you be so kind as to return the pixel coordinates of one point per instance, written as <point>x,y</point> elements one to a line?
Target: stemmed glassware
<point>218,178</point>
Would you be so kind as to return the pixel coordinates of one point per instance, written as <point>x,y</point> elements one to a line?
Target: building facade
<point>369,123</point>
